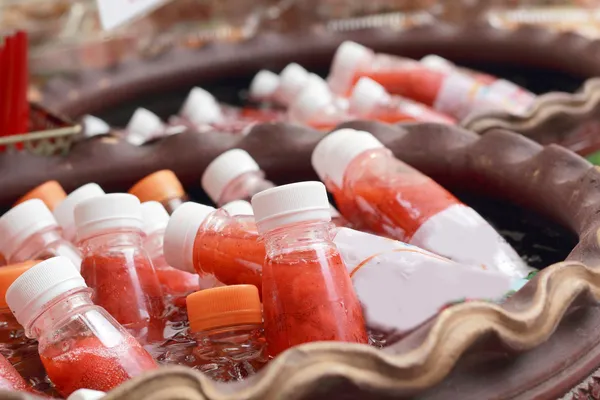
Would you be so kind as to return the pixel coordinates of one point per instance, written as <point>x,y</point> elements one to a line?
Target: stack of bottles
<point>361,85</point>
<point>99,288</point>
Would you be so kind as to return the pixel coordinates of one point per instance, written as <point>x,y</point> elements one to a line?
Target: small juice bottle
<point>380,193</point>
<point>51,193</point>
<point>80,344</point>
<point>316,107</point>
<point>234,175</point>
<point>308,295</point>
<point>199,111</point>
<point>143,127</point>
<point>214,244</point>
<point>162,186</point>
<point>174,282</point>
<point>64,211</point>
<point>10,378</point>
<point>263,87</point>
<point>226,323</point>
<point>370,100</point>
<point>29,231</point>
<point>115,263</point>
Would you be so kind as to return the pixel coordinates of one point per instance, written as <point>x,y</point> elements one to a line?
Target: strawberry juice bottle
<point>116,265</point>
<point>80,344</point>
<point>214,244</point>
<point>226,323</point>
<point>370,100</point>
<point>308,295</point>
<point>162,186</point>
<point>176,284</point>
<point>64,211</point>
<point>378,192</point>
<point>29,231</point>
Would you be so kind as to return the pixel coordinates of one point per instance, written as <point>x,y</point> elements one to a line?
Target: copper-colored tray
<point>522,339</point>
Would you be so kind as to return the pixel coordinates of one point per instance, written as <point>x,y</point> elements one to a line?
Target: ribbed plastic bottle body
<point>307,292</point>
<point>118,268</point>
<point>82,346</point>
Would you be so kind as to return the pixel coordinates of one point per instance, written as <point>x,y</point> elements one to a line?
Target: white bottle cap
<point>238,207</point>
<point>292,79</point>
<point>314,79</point>
<point>155,217</point>
<point>336,151</point>
<point>348,57</point>
<point>201,107</point>
<point>224,169</point>
<point>22,221</point>
<point>289,204</point>
<point>264,84</point>
<point>181,234</point>
<point>310,101</point>
<point>41,284</point>
<point>437,63</point>
<point>143,126</point>
<point>107,212</point>
<point>94,126</point>
<point>366,95</point>
<point>86,394</point>
<point>64,212</point>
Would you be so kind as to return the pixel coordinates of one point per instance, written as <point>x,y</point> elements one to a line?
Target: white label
<point>461,234</point>
<point>116,12</point>
<point>401,286</point>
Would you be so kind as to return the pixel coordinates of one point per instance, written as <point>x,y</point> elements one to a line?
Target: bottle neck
<point>226,332</point>
<point>298,237</point>
<point>244,187</point>
<point>58,310</point>
<point>35,244</point>
<point>112,240</point>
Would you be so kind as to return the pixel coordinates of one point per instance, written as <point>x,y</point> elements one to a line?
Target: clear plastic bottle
<point>370,100</point>
<point>64,211</point>
<point>162,186</point>
<point>176,284</point>
<point>80,344</point>
<point>234,175</point>
<point>51,193</point>
<point>226,323</point>
<point>29,231</point>
<point>116,265</point>
<point>380,193</point>
<point>316,107</point>
<point>307,292</point>
<point>199,111</point>
<point>213,243</point>
<point>10,378</point>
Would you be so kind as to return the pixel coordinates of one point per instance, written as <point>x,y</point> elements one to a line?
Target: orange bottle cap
<point>224,306</point>
<point>159,186</point>
<point>9,274</point>
<point>51,193</point>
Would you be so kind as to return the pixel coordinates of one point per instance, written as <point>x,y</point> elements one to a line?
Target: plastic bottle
<point>387,273</point>
<point>29,231</point>
<point>115,263</point>
<point>64,211</point>
<point>145,126</point>
<point>452,93</point>
<point>307,292</point>
<point>226,323</point>
<point>378,192</point>
<point>10,378</point>
<point>212,243</point>
<point>162,186</point>
<point>233,175</point>
<point>370,100</point>
<point>318,108</point>
<point>263,87</point>
<point>80,344</point>
<point>175,283</point>
<point>516,98</point>
<point>51,193</point>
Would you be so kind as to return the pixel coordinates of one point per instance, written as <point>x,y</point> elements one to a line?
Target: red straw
<point>2,89</point>
<point>8,85</point>
<point>21,116</point>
